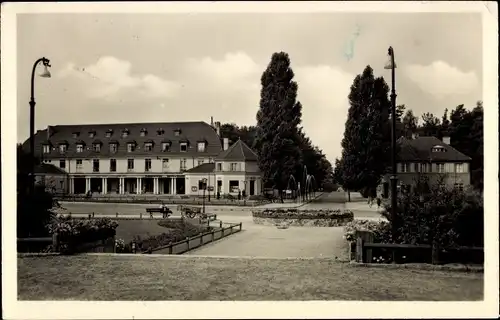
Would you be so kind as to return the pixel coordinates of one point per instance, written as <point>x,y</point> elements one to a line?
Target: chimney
<point>226,143</point>
<point>217,128</point>
<point>212,121</point>
<point>48,132</point>
<point>446,139</point>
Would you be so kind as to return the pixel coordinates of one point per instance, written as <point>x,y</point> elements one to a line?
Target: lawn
<point>127,229</point>
<point>146,277</point>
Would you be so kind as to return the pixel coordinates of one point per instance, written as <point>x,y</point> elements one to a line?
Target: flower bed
<point>296,217</point>
<point>177,230</point>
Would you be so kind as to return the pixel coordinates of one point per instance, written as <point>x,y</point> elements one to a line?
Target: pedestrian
<point>370,200</point>
<point>378,202</point>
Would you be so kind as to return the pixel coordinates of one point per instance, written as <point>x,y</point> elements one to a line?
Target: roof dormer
<point>144,132</point>
<point>438,148</point>
<point>125,133</point>
<point>160,131</point>
<point>76,134</point>
<point>177,132</point>
<point>109,133</point>
<point>92,133</point>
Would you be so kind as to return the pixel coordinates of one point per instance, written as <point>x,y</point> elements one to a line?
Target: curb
<point>37,254</point>
<point>418,266</point>
<point>194,256</point>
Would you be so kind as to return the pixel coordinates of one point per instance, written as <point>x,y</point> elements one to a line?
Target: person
<point>370,200</point>
<point>378,202</point>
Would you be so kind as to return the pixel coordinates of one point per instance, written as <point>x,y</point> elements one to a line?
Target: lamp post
<point>204,180</point>
<point>44,74</point>
<point>391,65</point>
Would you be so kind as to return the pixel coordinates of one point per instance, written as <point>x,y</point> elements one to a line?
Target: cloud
<point>442,80</point>
<point>111,79</point>
<point>227,88</point>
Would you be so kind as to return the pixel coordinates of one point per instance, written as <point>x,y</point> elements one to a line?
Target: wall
<point>241,178</point>
<point>53,183</point>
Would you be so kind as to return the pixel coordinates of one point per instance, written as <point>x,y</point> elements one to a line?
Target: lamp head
<point>390,57</point>
<point>46,72</point>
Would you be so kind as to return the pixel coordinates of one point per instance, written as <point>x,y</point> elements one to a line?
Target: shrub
<point>34,212</point>
<point>381,230</point>
<point>257,197</point>
<point>444,217</point>
<point>303,214</point>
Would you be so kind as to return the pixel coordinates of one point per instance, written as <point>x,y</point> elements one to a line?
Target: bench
<point>154,210</point>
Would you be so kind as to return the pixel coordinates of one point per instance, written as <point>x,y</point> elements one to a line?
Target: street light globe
<point>388,64</point>
<point>45,73</point>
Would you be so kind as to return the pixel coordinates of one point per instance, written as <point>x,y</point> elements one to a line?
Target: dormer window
<point>148,146</point>
<point>91,134</point>
<point>113,147</point>
<point>201,146</point>
<point>46,148</point>
<point>76,135</point>
<point>184,146</point>
<point>438,149</point>
<point>177,132</point>
<point>79,147</point>
<point>125,133</point>
<point>160,132</point>
<point>63,148</point>
<point>165,146</point>
<point>144,132</point>
<point>96,147</point>
<point>109,133</point>
<point>130,147</point>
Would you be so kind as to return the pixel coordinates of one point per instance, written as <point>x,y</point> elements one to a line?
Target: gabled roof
<point>239,151</point>
<point>420,149</point>
<point>49,169</point>
<point>203,168</point>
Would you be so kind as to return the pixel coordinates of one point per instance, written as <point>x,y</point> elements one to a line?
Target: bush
<point>257,197</point>
<point>34,213</point>
<point>444,217</point>
<point>381,230</point>
<point>303,214</point>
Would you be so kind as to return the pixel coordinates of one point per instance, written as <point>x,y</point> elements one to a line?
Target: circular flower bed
<point>305,218</point>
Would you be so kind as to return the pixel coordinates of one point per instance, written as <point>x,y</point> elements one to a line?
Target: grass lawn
<point>127,229</point>
<point>148,277</point>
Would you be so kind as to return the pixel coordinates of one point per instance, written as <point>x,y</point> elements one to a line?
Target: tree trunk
<point>435,252</point>
<point>348,196</point>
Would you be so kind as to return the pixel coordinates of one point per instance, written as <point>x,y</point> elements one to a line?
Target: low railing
<point>197,241</point>
<point>365,247</point>
<point>141,215</point>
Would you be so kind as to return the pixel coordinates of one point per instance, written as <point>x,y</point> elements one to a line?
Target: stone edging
<point>421,266</point>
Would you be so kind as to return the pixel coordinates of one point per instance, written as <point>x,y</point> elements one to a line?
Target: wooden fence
<point>199,240</point>
<point>365,247</point>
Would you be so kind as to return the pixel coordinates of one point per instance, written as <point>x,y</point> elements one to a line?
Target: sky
<point>112,68</point>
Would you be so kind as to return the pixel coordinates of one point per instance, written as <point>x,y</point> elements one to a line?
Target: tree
<point>234,132</point>
<point>366,142</point>
<point>277,139</point>
<point>410,124</point>
<point>430,125</point>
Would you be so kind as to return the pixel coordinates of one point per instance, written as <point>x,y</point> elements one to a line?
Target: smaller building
<point>428,157</point>
<point>235,170</point>
<point>54,179</point>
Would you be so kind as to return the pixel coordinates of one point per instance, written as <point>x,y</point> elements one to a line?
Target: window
<point>148,146</point>
<point>130,164</point>
<point>210,160</point>
<point>62,164</point>
<point>165,163</point>
<point>177,132</point>
<point>423,167</point>
<point>91,134</point>
<point>165,146</point>
<point>416,167</point>
<point>95,165</point>
<point>160,132</point>
<point>219,166</point>
<point>79,164</point>
<point>202,185</point>
<point>130,147</point>
<point>184,146</point>
<point>459,168</point>
<point>438,149</point>
<point>234,186</point>
<point>109,133</point>
<point>201,146</point>
<point>147,165</point>
<point>144,132</point>
<point>79,148</point>
<point>112,165</point>
<point>200,161</point>
<point>97,147</point>
<point>76,134</point>
<point>459,186</point>
<point>113,147</point>
<point>405,167</point>
<point>62,148</point>
<point>440,167</point>
<point>235,167</point>
<point>125,133</point>
<point>46,148</point>
<point>183,164</point>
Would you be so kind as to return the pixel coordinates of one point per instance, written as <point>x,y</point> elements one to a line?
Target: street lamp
<point>44,74</point>
<point>204,180</point>
<point>391,65</point>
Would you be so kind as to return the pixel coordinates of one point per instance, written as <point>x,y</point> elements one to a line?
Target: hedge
<point>303,214</point>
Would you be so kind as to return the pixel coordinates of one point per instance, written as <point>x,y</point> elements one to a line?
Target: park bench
<point>165,211</point>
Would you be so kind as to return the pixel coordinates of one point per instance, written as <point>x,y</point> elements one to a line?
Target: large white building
<point>149,158</point>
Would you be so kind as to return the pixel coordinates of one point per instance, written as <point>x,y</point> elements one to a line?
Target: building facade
<point>431,158</point>
<point>140,158</point>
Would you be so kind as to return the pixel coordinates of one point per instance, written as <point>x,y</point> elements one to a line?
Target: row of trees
<point>282,146</point>
<point>366,143</point>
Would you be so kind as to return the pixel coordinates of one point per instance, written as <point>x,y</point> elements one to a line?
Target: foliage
<point>277,140</point>
<point>381,230</point>
<point>444,216</point>
<point>78,231</point>
<point>303,214</point>
<point>366,143</point>
<point>235,133</point>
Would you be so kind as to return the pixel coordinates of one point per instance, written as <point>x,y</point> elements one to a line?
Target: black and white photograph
<point>281,152</point>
